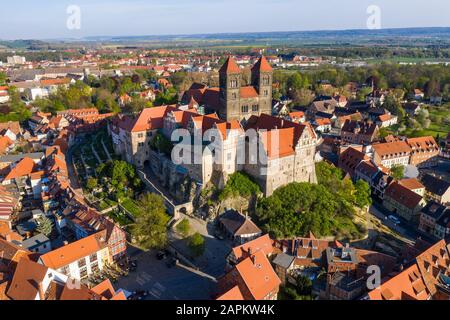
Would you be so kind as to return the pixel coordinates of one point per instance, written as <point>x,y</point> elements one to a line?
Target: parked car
<point>394,219</point>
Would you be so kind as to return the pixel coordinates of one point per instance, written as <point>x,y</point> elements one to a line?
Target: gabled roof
<point>248,92</point>
<point>403,195</point>
<point>151,118</point>
<point>411,184</point>
<point>258,275</point>
<point>23,168</point>
<point>237,224</point>
<point>407,285</point>
<point>391,149</point>
<point>10,255</point>
<point>74,251</point>
<point>435,185</point>
<point>230,66</point>
<point>5,142</point>
<point>233,294</point>
<point>27,278</point>
<point>263,243</point>
<point>423,144</point>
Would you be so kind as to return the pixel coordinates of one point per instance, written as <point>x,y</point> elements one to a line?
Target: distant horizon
<point>219,33</point>
<point>29,19</point>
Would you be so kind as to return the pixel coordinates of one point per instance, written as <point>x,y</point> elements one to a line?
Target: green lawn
<point>131,206</point>
<point>119,217</point>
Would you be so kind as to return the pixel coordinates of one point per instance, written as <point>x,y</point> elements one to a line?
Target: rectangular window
<point>81,263</point>
<point>93,257</point>
<point>255,108</point>
<point>94,267</point>
<point>244,109</point>
<point>64,270</point>
<point>83,273</point>
<point>140,135</point>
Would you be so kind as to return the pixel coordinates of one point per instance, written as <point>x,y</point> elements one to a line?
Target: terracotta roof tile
<point>74,251</point>
<point>262,65</point>
<point>258,276</point>
<point>233,294</point>
<point>230,66</point>
<point>24,167</point>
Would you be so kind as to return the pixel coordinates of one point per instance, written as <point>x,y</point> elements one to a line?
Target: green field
<point>440,129</point>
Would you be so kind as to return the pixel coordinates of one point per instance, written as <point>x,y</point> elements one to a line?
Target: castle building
<point>285,149</point>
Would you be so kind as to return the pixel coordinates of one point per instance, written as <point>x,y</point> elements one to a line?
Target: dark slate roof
<point>35,241</point>
<point>435,185</point>
<point>283,260</point>
<point>18,157</point>
<point>434,209</point>
<point>444,220</point>
<point>237,224</point>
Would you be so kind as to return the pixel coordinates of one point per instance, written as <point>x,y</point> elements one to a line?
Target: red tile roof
<point>23,168</point>
<point>258,276</point>
<point>391,149</point>
<point>262,65</point>
<point>230,66</point>
<point>411,184</point>
<point>27,278</point>
<point>263,243</point>
<point>233,294</point>
<point>403,195</point>
<point>248,92</point>
<point>407,285</point>
<point>5,142</point>
<point>74,251</point>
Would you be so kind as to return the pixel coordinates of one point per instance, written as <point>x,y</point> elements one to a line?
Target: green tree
<point>239,184</point>
<point>150,227</point>
<point>304,285</point>
<point>397,172</point>
<point>184,228</point>
<point>3,78</point>
<point>363,193</point>
<point>196,244</point>
<point>91,183</point>
<point>45,226</point>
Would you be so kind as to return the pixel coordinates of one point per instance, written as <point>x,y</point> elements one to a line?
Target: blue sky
<point>46,19</point>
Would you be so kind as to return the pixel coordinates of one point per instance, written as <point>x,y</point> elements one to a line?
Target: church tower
<point>230,78</point>
<point>262,79</point>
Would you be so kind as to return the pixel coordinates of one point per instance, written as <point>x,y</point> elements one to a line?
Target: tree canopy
<point>239,184</point>
<point>326,208</point>
<point>150,228</point>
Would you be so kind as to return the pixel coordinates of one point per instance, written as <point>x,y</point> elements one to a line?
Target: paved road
<point>403,229</point>
<point>165,283</point>
<point>214,259</point>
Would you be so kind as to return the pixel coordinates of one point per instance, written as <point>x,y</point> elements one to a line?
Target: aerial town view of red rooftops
<point>159,150</point>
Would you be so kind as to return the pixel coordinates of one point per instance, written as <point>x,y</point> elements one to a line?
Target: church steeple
<point>230,66</point>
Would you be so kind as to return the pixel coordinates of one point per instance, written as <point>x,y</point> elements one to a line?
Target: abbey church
<point>232,101</point>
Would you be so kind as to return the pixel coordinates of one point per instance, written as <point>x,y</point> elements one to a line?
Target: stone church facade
<point>231,100</point>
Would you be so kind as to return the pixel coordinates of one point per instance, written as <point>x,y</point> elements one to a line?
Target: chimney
<point>254,260</point>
